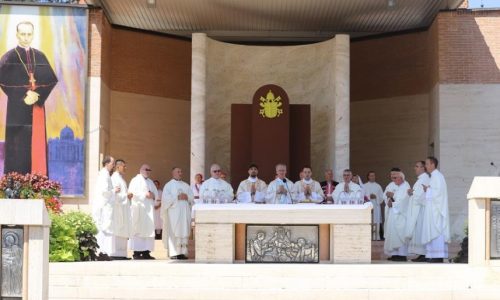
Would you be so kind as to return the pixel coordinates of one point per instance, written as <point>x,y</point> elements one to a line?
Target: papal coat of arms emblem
<point>270,106</point>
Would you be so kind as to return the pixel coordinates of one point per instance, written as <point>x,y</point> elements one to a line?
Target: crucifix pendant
<point>32,81</point>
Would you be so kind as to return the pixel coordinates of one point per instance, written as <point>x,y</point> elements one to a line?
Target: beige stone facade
<point>441,83</point>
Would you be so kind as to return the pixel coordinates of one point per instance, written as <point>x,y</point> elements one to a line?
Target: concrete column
<point>94,134</point>
<point>38,266</point>
<point>198,103</point>
<point>339,131</point>
<point>477,231</point>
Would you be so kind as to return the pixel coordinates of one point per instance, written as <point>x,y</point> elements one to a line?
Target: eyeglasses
<point>148,170</point>
<point>346,175</point>
<point>216,171</point>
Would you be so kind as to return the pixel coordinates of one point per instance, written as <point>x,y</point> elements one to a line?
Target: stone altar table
<point>350,228</point>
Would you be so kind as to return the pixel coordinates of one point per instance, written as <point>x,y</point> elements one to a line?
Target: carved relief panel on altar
<point>282,244</point>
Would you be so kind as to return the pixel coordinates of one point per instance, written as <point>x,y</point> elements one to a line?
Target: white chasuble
<point>316,192</point>
<point>244,192</point>
<point>396,221</point>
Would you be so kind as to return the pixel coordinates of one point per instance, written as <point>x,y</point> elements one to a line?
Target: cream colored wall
<point>306,73</point>
<point>389,132</point>
<point>150,129</point>
<point>469,132</point>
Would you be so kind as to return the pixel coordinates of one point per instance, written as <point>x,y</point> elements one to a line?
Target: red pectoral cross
<point>32,81</point>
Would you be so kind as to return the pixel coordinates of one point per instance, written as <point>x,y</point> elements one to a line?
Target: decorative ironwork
<point>12,262</point>
<point>495,229</point>
<point>282,244</point>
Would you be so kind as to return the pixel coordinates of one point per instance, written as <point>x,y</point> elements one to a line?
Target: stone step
<point>186,280</point>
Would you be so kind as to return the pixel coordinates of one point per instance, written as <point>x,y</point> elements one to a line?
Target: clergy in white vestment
<point>347,191</point>
<point>308,190</point>
<point>177,200</point>
<point>157,212</point>
<point>252,189</point>
<point>142,228</point>
<point>279,191</point>
<point>416,213</point>
<point>395,244</point>
<point>121,213</point>
<point>436,222</point>
<point>216,190</point>
<point>374,192</point>
<point>195,187</point>
<point>103,205</point>
<point>391,188</point>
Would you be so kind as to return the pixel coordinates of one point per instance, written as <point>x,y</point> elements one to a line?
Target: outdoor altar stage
<point>166,279</point>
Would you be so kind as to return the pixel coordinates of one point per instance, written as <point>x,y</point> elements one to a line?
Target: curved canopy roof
<point>275,20</point>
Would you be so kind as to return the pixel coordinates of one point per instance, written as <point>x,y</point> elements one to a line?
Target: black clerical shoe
<point>146,255</point>
<point>389,258</point>
<point>174,257</point>
<point>103,257</point>
<point>435,260</point>
<point>420,258</point>
<point>398,258</point>
<point>119,258</point>
<point>182,256</point>
<point>137,255</point>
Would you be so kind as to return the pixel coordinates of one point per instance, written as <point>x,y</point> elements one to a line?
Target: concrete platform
<point>166,279</point>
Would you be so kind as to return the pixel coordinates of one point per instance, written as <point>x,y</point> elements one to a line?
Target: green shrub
<point>85,230</point>
<point>72,237</point>
<point>63,243</point>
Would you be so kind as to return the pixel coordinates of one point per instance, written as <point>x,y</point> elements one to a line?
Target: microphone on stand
<point>497,173</point>
<point>286,185</point>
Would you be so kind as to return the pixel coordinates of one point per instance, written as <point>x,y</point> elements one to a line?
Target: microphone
<point>497,173</point>
<point>286,185</point>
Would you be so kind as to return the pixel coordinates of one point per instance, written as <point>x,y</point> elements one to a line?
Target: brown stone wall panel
<point>153,130</point>
<point>390,66</point>
<point>385,135</point>
<point>150,64</point>
<point>240,233</point>
<point>270,136</point>
<point>241,142</point>
<point>300,140</point>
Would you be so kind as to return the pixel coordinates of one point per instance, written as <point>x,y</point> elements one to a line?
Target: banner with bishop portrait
<point>43,64</point>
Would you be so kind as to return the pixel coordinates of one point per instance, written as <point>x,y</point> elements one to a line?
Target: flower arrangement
<point>72,235</point>
<point>32,186</point>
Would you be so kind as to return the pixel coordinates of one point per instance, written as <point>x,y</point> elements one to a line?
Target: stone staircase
<point>164,279</point>
<point>170,279</point>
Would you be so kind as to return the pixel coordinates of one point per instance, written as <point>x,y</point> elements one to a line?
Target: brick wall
<point>469,46</point>
<point>150,64</point>
<point>459,47</point>
<point>95,43</point>
<point>138,62</point>
<point>393,66</point>
<point>99,45</point>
